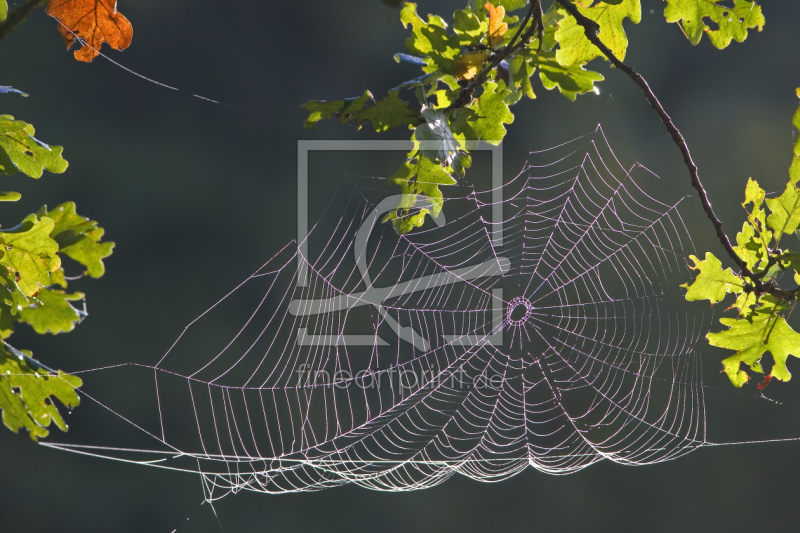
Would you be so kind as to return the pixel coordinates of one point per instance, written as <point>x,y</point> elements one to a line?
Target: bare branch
<point>591,30</point>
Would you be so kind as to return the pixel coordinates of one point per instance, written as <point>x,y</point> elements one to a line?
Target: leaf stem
<point>19,15</point>
<point>591,29</point>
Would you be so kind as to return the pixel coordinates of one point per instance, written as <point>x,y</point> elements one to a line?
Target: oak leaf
<point>496,25</point>
<point>91,23</point>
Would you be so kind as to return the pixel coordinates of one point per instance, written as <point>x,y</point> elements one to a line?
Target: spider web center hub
<point>518,311</point>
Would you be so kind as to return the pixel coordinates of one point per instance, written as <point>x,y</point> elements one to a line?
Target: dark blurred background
<point>197,196</point>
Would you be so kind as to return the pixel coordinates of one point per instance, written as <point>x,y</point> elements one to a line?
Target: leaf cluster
<point>761,304</point>
<point>33,283</point>
<point>475,69</point>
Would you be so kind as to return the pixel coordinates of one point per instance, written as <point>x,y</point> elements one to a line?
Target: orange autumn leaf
<point>496,25</point>
<point>91,23</point>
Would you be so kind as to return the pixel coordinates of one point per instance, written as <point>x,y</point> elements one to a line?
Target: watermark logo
<point>398,379</point>
<point>376,296</point>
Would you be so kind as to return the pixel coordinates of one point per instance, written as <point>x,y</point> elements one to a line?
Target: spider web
<point>552,337</point>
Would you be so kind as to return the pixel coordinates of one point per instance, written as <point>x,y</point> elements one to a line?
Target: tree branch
<point>518,42</point>
<point>591,29</point>
<point>19,15</point>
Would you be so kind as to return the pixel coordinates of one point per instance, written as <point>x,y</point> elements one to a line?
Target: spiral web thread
<point>399,361</point>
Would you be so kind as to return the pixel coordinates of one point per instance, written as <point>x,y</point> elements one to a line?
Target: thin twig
<point>591,29</point>
<point>539,23</point>
<point>19,15</point>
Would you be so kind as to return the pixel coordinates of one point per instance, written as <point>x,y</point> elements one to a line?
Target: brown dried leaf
<point>94,22</point>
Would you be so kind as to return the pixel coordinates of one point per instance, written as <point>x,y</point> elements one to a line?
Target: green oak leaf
<point>764,331</point>
<point>444,98</point>
<point>571,81</point>
<point>344,109</point>
<point>491,112</point>
<point>520,70</point>
<point>750,246</point>
<point>385,114</point>
<point>21,151</point>
<point>510,5</point>
<point>390,112</point>
<point>10,294</point>
<point>790,260</point>
<point>78,238</point>
<point>712,283</point>
<point>51,312</point>
<point>431,39</point>
<point>731,22</point>
<point>27,396</point>
<point>30,253</point>
<point>320,109</point>
<point>794,169</point>
<point>575,48</point>
<point>753,240</point>
<point>7,321</point>
<point>755,195</point>
<point>353,106</point>
<point>465,22</point>
<point>418,176</point>
<point>785,216</point>
<point>461,121</point>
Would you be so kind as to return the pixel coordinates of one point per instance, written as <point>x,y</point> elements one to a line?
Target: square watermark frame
<point>305,147</point>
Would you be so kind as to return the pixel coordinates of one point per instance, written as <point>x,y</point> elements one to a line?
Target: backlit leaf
<point>491,113</point>
<point>712,283</point>
<point>20,151</point>
<point>496,25</point>
<point>754,239</point>
<point>465,22</point>
<point>27,396</point>
<point>30,253</point>
<point>431,39</point>
<point>520,70</point>
<point>78,238</point>
<point>750,247</point>
<point>575,48</point>
<point>794,169</point>
<point>730,22</point>
<point>510,5</point>
<point>418,176</point>
<point>319,110</point>
<point>91,23</point>
<point>390,112</point>
<point>571,81</point>
<point>385,114</point>
<point>12,297</point>
<point>785,211</point>
<point>51,312</point>
<point>764,331</point>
